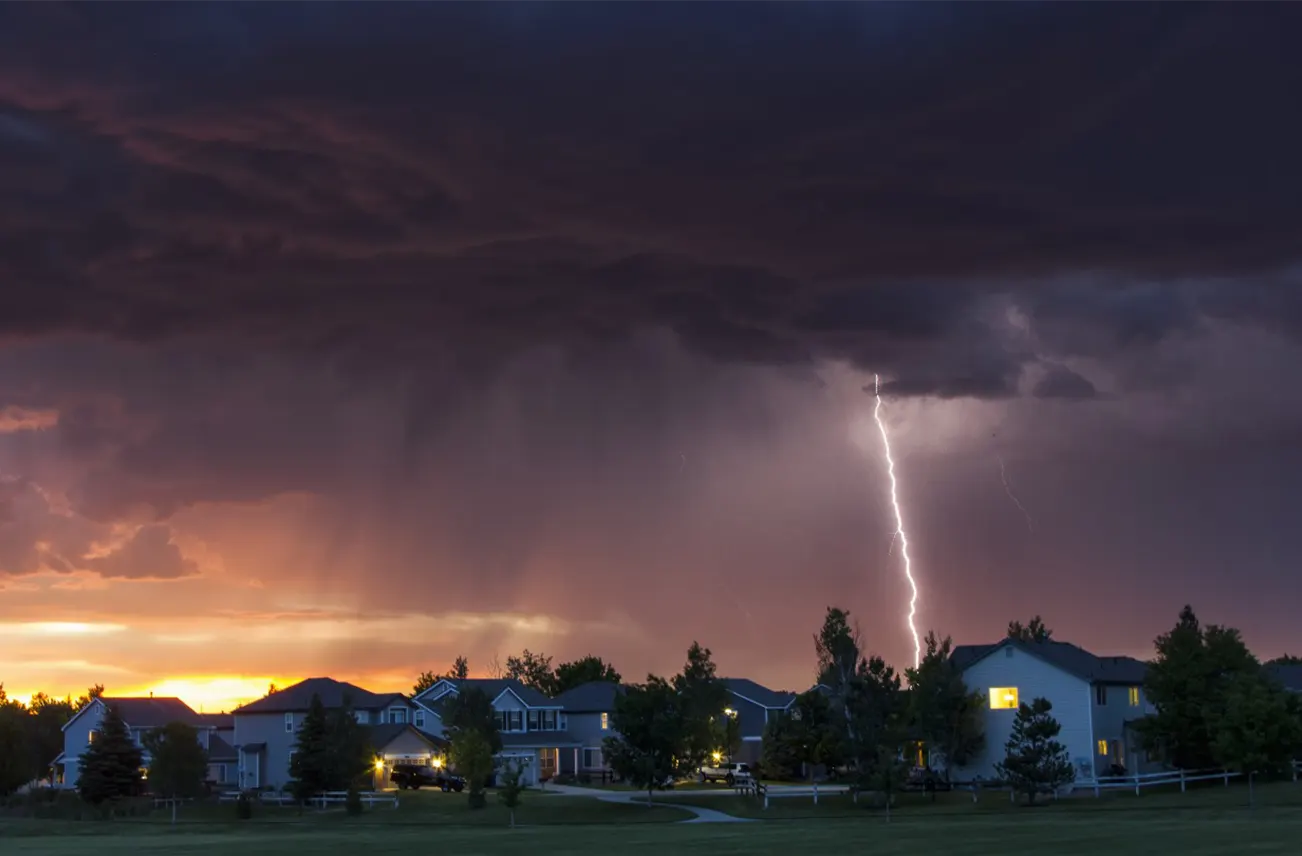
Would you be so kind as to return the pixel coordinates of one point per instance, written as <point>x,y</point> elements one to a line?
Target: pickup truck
<point>416,776</point>
<point>730,772</point>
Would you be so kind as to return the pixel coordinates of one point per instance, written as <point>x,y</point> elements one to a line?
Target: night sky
<point>343,339</point>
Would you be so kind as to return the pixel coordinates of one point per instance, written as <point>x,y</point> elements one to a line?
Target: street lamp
<point>732,716</point>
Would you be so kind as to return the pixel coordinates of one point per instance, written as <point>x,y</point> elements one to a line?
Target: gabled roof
<point>220,750</point>
<point>494,687</point>
<point>299,697</point>
<point>1289,676</point>
<point>1070,658</point>
<point>757,694</point>
<point>382,735</point>
<point>217,720</point>
<point>148,712</point>
<point>592,697</point>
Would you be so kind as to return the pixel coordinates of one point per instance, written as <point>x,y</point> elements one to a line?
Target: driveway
<point>703,815</point>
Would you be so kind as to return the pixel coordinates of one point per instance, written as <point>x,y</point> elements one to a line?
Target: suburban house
<point>141,716</point>
<point>402,743</point>
<point>266,730</point>
<point>751,706</point>
<point>1289,677</point>
<point>223,761</point>
<point>1095,699</point>
<point>533,726</point>
<point>587,710</point>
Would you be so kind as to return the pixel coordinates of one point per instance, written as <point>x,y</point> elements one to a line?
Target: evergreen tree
<point>110,766</point>
<point>942,714</point>
<point>472,710</point>
<point>805,735</point>
<point>472,757</point>
<point>703,697</point>
<point>178,764</point>
<point>1036,761</point>
<point>348,754</point>
<point>309,768</point>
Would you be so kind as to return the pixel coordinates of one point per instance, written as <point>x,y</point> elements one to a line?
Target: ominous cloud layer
<point>557,318</point>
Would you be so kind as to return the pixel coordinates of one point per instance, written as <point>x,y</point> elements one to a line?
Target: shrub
<point>562,779</point>
<point>243,807</point>
<point>585,778</point>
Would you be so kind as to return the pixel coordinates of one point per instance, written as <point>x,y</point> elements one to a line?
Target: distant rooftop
<point>332,693</point>
<point>1066,656</point>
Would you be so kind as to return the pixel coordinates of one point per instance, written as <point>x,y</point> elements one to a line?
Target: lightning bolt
<point>1008,489</point>
<point>899,522</point>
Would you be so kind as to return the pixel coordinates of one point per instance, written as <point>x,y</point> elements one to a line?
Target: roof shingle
<point>1066,656</point>
<point>153,712</point>
<point>299,697</point>
<point>592,697</point>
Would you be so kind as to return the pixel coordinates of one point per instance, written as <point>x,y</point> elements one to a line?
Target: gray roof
<point>384,734</point>
<point>494,687</point>
<point>537,740</point>
<point>1070,658</point>
<point>1289,676</point>
<point>153,712</point>
<point>299,697</point>
<point>217,720</point>
<point>220,750</point>
<point>592,697</point>
<point>759,694</point>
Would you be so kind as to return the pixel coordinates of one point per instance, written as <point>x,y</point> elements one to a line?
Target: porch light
<point>727,711</point>
<point>717,756</point>
<point>437,762</point>
<point>379,765</point>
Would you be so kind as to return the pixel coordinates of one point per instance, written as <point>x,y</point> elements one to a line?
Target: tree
<point>424,681</point>
<point>839,661</point>
<point>460,670</point>
<point>509,787</point>
<point>1188,684</point>
<point>804,736</point>
<point>97,691</point>
<point>272,689</point>
<point>942,714</point>
<point>703,698</point>
<point>472,757</point>
<point>1035,760</point>
<point>309,766</point>
<point>1285,660</point>
<point>178,764</point>
<point>877,708</point>
<point>472,710</point>
<point>887,775</point>
<point>16,768</point>
<point>348,752</point>
<point>583,671</point>
<point>1258,730</point>
<point>49,715</point>
<point>532,670</point>
<point>1033,631</point>
<point>649,721</point>
<point>110,766</point>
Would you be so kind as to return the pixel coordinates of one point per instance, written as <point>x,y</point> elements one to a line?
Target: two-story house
<point>1094,699</point>
<point>141,716</point>
<point>266,730</point>
<point>588,709</point>
<point>749,710</point>
<point>533,726</point>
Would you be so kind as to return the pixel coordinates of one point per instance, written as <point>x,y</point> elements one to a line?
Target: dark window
<point>1101,694</point>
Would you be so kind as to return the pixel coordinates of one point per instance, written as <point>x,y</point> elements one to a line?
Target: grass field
<point>1210,821</point>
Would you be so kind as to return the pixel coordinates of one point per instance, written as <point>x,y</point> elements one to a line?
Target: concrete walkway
<point>703,815</point>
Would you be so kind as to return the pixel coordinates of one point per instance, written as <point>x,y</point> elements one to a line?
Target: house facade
<point>266,730</point>
<point>141,716</point>
<point>588,709</point>
<point>749,710</point>
<point>223,761</point>
<point>1095,700</point>
<point>533,727</point>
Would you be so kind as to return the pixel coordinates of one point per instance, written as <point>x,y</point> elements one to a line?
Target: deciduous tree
<point>472,710</point>
<point>110,766</point>
<point>1258,730</point>
<point>1035,760</point>
<point>652,732</point>
<point>1033,631</point>
<point>532,670</point>
<point>16,768</point>
<point>582,671</point>
<point>803,735</point>
<point>472,757</point>
<point>703,697</point>
<point>49,715</point>
<point>510,785</point>
<point>178,764</point>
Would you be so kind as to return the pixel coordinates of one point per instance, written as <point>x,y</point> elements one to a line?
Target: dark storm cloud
<point>776,184</point>
<point>1062,382</point>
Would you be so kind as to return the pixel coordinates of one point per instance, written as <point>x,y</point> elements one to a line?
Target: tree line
<point>532,670</point>
<point>31,735</point>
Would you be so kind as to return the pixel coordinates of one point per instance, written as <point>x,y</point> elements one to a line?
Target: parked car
<point>730,772</point>
<point>416,776</point>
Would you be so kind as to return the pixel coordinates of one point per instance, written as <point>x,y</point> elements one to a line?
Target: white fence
<point>369,798</point>
<point>767,792</point>
<point>1166,777</point>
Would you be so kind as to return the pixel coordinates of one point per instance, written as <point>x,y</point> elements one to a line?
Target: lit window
<point>1134,696</point>
<point>289,722</point>
<point>91,737</point>
<point>1103,747</point>
<point>605,722</point>
<point>1003,698</point>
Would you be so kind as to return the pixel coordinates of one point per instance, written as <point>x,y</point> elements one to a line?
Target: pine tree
<point>1036,761</point>
<point>310,766</point>
<point>178,763</point>
<point>110,766</point>
<point>347,748</point>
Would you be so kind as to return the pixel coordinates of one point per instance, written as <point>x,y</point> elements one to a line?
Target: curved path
<point>703,815</point>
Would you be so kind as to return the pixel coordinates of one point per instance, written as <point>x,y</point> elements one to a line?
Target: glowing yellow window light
<point>1003,698</point>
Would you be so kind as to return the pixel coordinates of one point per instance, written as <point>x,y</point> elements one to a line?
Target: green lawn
<point>1209,821</point>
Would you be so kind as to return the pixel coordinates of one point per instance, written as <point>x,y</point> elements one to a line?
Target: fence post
<point>1227,778</point>
<point>1182,780</point>
<point>1136,784</point>
<point>1096,786</point>
<point>815,793</point>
